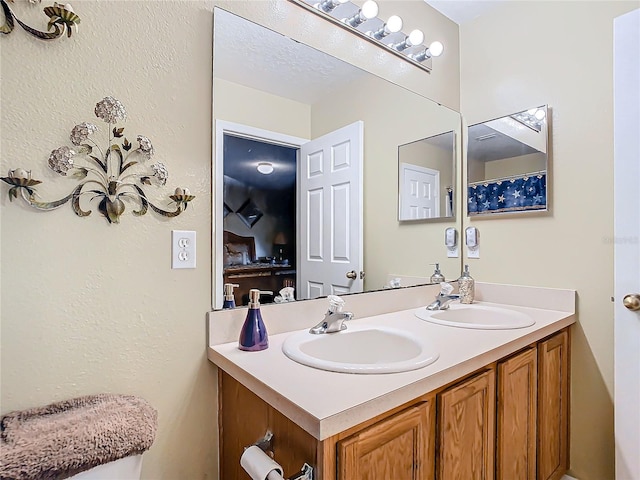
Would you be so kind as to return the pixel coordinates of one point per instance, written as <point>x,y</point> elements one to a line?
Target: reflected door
<point>330,213</point>
<point>419,190</point>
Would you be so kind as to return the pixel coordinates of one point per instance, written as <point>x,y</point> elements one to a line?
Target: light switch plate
<point>183,249</point>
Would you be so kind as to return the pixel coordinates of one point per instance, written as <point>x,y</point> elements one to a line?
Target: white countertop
<point>326,403</point>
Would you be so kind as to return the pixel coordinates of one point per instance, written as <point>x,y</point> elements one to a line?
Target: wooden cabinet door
<point>553,406</point>
<point>466,420</point>
<point>517,400</point>
<point>400,447</point>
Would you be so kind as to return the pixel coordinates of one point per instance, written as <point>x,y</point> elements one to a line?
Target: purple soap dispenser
<point>253,336</point>
<point>229,299</point>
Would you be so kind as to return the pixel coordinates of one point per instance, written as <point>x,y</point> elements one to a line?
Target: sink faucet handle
<point>446,288</point>
<point>335,303</point>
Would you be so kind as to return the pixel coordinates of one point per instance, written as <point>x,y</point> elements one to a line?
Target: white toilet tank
<point>127,468</point>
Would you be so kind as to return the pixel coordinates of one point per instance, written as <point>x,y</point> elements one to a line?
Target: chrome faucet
<point>334,318</point>
<point>442,301</point>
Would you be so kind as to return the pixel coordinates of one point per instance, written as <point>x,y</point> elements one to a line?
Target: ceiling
<point>463,11</point>
<point>287,68</point>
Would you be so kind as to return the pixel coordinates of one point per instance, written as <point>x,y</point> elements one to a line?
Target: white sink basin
<point>477,316</point>
<point>360,349</point>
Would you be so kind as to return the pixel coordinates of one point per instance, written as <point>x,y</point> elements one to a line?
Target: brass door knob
<point>352,275</point>
<point>632,301</point>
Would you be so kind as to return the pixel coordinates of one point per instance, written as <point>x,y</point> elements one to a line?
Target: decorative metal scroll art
<point>62,19</point>
<point>111,176</point>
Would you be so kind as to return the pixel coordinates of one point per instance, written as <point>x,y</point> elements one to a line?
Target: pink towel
<point>65,438</point>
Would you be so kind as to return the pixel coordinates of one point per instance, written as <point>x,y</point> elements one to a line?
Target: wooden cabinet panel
<point>466,420</point>
<point>244,418</point>
<point>516,417</point>
<point>400,447</point>
<point>553,406</point>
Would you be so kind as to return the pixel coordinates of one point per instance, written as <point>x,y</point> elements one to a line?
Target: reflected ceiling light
<point>368,11</point>
<point>386,35</point>
<point>265,168</point>
<point>434,50</point>
<point>393,25</point>
<point>532,118</point>
<point>416,37</point>
<point>329,5</point>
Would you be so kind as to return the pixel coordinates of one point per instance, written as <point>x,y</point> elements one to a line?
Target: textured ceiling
<point>256,57</point>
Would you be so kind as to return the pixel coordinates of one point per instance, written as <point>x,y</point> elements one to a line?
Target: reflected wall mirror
<point>308,113</point>
<point>426,178</point>
<point>508,164</point>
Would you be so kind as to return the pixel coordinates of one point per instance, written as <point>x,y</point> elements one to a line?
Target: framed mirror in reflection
<point>426,178</point>
<point>305,162</point>
<point>508,164</point>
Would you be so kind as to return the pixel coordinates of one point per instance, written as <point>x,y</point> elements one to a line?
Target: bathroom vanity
<point>494,404</point>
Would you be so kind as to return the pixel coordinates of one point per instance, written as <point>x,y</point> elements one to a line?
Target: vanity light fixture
<point>393,25</point>
<point>368,11</point>
<point>416,37</point>
<point>434,50</point>
<point>329,5</point>
<point>387,35</point>
<point>265,168</point>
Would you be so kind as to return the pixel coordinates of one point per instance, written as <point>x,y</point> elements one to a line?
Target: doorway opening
<point>259,210</point>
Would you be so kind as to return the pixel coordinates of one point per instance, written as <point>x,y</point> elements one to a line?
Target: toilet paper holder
<point>265,444</point>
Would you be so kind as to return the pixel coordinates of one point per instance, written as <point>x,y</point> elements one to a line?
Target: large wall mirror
<point>508,164</point>
<point>306,170</point>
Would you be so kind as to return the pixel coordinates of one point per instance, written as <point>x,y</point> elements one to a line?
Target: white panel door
<point>627,243</point>
<point>419,192</point>
<point>330,213</point>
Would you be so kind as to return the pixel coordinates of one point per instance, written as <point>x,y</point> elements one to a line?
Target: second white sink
<point>480,317</point>
<point>360,349</point>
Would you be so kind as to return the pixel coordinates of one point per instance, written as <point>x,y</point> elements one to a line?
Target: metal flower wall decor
<point>62,19</point>
<point>112,176</point>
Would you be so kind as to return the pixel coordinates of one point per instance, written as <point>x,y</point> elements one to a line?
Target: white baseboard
<point>567,477</point>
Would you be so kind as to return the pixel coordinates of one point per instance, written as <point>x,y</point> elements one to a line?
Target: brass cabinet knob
<point>632,301</point>
<point>352,275</point>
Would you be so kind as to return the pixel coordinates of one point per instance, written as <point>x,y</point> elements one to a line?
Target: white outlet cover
<point>183,249</point>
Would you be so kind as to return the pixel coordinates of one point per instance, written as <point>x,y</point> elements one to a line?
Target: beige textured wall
<point>506,66</point>
<point>89,307</point>
<point>534,162</point>
<point>247,106</point>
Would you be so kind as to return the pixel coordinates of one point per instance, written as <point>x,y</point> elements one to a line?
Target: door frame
<point>626,244</point>
<point>223,127</point>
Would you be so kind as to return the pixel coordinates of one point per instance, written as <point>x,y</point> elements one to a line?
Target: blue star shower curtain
<point>512,194</point>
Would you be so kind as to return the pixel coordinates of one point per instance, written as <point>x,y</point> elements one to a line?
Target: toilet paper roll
<point>259,465</point>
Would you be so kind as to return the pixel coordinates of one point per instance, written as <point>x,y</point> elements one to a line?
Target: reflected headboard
<point>235,246</point>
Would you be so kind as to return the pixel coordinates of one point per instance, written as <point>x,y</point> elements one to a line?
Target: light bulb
<point>540,114</point>
<point>416,37</point>
<point>394,24</point>
<point>436,48</point>
<point>265,168</point>
<point>532,111</point>
<point>369,10</point>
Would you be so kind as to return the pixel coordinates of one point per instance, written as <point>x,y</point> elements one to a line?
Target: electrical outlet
<point>183,249</point>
